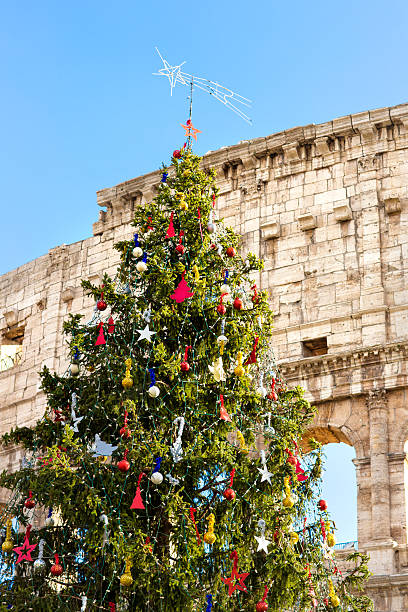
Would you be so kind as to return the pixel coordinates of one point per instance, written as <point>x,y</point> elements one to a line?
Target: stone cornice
<point>361,136</point>
<point>352,372</point>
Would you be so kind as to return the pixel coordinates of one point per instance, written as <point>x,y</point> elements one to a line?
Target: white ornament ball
<point>39,566</point>
<point>225,289</point>
<point>222,339</point>
<point>49,522</point>
<point>154,391</point>
<point>74,369</point>
<point>156,478</point>
<point>141,266</point>
<point>137,252</point>
<point>211,228</point>
<point>262,392</point>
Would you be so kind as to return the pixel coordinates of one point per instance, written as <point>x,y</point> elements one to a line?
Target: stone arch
<point>326,430</point>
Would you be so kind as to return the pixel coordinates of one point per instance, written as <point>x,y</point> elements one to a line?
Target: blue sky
<point>80,109</point>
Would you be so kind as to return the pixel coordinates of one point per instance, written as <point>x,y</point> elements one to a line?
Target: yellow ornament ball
<point>7,546</point>
<point>127,382</point>
<point>294,538</point>
<point>209,538</point>
<point>239,370</point>
<point>288,501</point>
<point>126,580</point>
<point>331,540</point>
<point>187,172</point>
<point>335,600</point>
<point>183,205</point>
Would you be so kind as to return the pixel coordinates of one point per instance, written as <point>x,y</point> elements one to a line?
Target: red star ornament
<point>24,551</point>
<point>240,586</point>
<point>190,129</point>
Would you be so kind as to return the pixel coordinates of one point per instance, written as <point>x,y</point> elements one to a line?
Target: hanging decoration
<point>263,543</point>
<point>39,564</point>
<point>137,503</point>
<point>182,291</point>
<point>127,382</point>
<point>192,518</point>
<point>145,334</point>
<point>137,251</point>
<point>56,569</point>
<point>126,579</point>
<point>262,606</point>
<point>184,365</point>
<point>252,355</point>
<point>209,536</point>
<point>101,338</point>
<point>8,543</point>
<point>232,585</point>
<point>101,304</point>
<point>176,450</point>
<point>224,416</point>
<point>24,552</point>
<point>157,476</point>
<point>101,448</point>
<point>265,473</point>
<point>153,390</point>
<point>229,493</point>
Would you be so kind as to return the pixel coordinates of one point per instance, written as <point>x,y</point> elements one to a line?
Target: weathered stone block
<point>307,221</point>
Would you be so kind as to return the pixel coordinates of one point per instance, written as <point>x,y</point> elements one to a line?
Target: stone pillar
<point>382,547</point>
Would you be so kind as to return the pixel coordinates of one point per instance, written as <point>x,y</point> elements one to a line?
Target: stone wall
<point>326,206</point>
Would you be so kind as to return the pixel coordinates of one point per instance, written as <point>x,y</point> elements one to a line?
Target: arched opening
<point>339,486</point>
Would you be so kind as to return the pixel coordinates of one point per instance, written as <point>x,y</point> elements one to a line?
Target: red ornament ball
<point>230,252</point>
<point>125,432</point>
<point>101,305</point>
<point>238,304</point>
<point>29,503</point>
<point>177,154</point>
<point>221,309</point>
<point>184,366</point>
<point>56,569</point>
<point>322,505</point>
<point>229,494</point>
<point>123,465</point>
<point>261,606</point>
<point>180,249</point>
<point>272,396</point>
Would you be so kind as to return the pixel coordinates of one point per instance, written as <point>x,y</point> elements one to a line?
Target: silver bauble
<point>156,478</point>
<point>211,228</point>
<point>137,252</point>
<point>74,369</point>
<point>39,566</point>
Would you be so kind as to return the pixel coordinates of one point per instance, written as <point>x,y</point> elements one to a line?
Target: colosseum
<point>326,207</point>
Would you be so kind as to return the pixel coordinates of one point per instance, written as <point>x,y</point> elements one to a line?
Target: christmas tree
<point>167,472</point>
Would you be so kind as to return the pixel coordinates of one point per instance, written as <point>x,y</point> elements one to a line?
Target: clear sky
<point>80,109</point>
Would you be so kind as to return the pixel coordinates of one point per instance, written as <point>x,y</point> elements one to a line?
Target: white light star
<point>173,73</point>
<point>145,334</point>
<point>266,475</point>
<point>263,543</point>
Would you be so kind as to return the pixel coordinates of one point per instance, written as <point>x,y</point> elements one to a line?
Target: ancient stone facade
<point>326,206</point>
